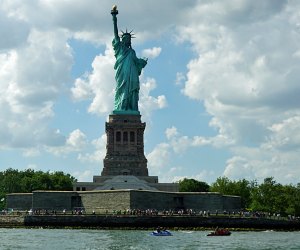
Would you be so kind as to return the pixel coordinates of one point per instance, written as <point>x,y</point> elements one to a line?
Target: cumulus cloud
<point>245,74</point>
<point>180,143</point>
<point>75,142</point>
<point>238,168</point>
<point>32,78</point>
<point>258,163</point>
<point>285,135</point>
<point>98,85</point>
<point>171,132</point>
<point>31,152</point>
<point>148,103</point>
<point>13,32</point>
<point>151,53</point>
<point>180,78</point>
<point>84,175</point>
<point>203,175</point>
<point>98,153</point>
<point>247,65</point>
<point>159,157</point>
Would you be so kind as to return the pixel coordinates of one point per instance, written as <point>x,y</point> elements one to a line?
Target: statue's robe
<point>128,68</point>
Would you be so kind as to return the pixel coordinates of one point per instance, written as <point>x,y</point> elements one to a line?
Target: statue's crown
<point>126,33</point>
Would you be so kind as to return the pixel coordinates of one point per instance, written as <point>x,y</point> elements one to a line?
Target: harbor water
<point>141,239</point>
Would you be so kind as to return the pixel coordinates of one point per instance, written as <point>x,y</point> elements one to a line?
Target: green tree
<point>11,181</point>
<point>269,197</point>
<point>243,188</point>
<point>240,188</point>
<point>296,200</point>
<point>15,181</point>
<point>192,185</point>
<point>290,199</point>
<point>61,181</point>
<point>222,185</point>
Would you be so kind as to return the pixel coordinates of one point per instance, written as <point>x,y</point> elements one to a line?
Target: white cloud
<point>259,164</point>
<point>285,136</point>
<point>31,152</point>
<point>85,175</point>
<point>180,143</point>
<point>31,80</point>
<point>13,32</point>
<point>98,85</point>
<point>151,53</point>
<point>180,78</point>
<point>245,74</point>
<point>203,175</point>
<point>148,103</point>
<point>159,157</point>
<point>239,168</point>
<point>99,151</point>
<point>247,65</point>
<point>75,142</point>
<point>159,160</point>
<point>81,90</point>
<point>171,132</point>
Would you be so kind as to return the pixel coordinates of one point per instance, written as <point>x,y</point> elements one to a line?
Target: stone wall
<point>53,200</point>
<point>203,201</point>
<point>19,201</point>
<point>101,201</point>
<point>151,200</point>
<point>11,221</point>
<point>176,201</point>
<point>110,200</point>
<point>231,202</point>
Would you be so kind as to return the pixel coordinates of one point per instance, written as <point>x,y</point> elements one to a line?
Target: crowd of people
<point>152,212</point>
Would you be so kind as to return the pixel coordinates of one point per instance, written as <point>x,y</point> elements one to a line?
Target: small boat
<point>161,233</point>
<point>220,232</point>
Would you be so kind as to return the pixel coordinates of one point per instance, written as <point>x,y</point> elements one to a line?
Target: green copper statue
<point>128,68</point>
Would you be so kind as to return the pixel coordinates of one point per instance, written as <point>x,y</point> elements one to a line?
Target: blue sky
<point>219,95</point>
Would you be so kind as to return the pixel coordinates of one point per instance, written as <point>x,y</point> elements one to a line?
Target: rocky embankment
<point>139,222</point>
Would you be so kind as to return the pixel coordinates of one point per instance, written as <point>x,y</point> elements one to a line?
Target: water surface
<point>136,239</point>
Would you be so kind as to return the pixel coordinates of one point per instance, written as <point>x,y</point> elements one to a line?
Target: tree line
<point>269,196</point>
<point>26,181</point>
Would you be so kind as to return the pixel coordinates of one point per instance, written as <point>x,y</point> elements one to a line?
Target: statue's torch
<point>114,10</point>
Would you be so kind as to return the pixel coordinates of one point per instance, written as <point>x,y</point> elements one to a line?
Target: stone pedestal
<point>125,146</point>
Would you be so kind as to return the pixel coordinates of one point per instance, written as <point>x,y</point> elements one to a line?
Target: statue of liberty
<point>128,68</point>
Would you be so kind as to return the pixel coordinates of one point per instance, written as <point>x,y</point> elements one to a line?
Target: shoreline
<point>146,222</point>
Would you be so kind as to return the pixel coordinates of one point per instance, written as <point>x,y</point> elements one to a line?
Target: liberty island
<point>124,183</point>
<point>124,195</point>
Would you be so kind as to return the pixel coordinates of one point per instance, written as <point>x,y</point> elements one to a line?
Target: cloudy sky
<point>220,94</point>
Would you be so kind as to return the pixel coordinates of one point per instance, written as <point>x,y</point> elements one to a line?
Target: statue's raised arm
<point>114,12</point>
<point>128,69</point>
